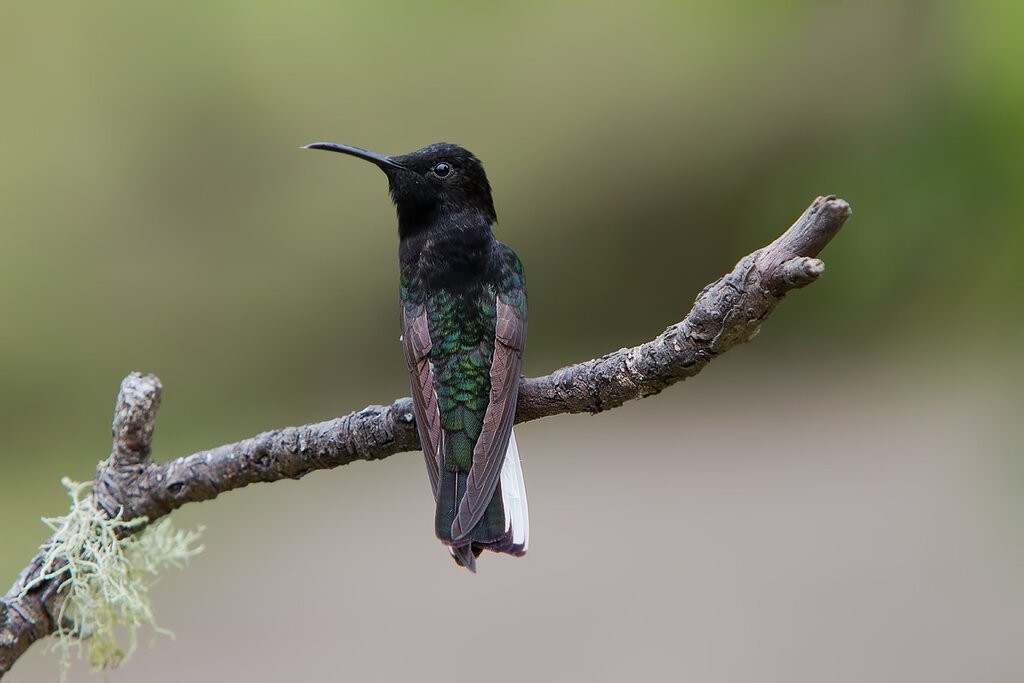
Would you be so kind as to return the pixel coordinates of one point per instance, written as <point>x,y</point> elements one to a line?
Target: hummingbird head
<point>441,184</point>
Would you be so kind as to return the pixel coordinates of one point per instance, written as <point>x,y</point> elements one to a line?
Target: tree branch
<point>728,312</point>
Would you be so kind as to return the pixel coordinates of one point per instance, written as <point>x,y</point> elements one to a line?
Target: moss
<point>106,574</point>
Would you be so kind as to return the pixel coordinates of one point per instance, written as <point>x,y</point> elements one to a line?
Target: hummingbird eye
<point>442,169</point>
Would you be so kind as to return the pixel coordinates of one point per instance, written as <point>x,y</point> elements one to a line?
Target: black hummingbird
<point>463,300</point>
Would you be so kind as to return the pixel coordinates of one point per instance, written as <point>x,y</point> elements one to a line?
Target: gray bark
<point>727,312</point>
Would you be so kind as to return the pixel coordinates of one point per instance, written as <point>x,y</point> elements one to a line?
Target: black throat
<point>454,254</point>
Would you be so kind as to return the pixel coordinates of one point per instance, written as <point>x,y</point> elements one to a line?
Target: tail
<point>513,499</point>
<point>505,526</point>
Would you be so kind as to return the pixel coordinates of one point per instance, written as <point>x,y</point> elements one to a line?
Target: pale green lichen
<point>106,571</point>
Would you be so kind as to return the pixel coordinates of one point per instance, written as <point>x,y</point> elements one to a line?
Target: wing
<point>416,343</point>
<point>489,452</point>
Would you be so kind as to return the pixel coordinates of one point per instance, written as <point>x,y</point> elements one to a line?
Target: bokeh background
<point>839,500</point>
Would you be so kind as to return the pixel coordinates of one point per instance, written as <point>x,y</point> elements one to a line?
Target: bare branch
<point>728,312</point>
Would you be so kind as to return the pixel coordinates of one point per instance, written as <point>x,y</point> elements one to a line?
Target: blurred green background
<point>157,215</point>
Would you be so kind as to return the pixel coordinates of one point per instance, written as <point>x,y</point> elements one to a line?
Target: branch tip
<point>839,207</point>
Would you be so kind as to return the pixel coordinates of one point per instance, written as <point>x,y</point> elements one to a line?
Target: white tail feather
<point>513,495</point>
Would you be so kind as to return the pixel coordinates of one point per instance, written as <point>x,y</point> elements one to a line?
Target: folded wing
<point>417,345</point>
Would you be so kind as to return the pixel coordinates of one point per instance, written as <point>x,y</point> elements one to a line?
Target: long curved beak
<point>378,159</point>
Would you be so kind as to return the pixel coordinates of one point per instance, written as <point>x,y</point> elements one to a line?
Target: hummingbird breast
<point>457,261</point>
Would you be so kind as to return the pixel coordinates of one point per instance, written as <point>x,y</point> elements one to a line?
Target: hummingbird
<point>463,317</point>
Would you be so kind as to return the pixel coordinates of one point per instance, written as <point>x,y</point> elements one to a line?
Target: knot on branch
<point>801,271</point>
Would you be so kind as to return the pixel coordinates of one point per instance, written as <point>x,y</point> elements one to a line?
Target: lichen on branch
<point>104,569</point>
